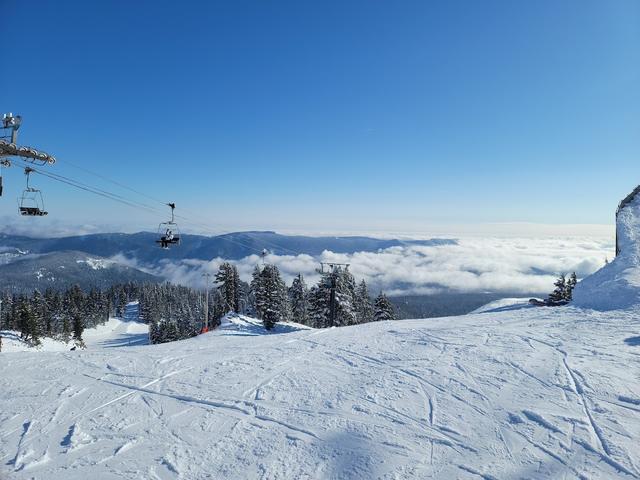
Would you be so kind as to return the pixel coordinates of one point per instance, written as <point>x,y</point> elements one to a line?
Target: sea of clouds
<point>513,265</point>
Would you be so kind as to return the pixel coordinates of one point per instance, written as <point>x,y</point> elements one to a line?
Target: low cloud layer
<point>507,265</point>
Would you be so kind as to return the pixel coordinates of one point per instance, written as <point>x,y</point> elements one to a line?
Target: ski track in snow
<point>523,393</point>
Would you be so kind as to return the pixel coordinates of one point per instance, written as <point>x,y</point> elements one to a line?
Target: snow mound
<point>617,284</point>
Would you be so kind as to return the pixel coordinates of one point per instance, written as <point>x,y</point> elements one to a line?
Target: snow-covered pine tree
<point>217,307</point>
<point>319,302</point>
<point>364,307</point>
<point>273,297</point>
<point>39,310</point>
<point>52,300</point>
<point>298,296</point>
<point>320,299</point>
<point>571,283</point>
<point>257,292</point>
<point>560,292</point>
<point>27,322</point>
<point>383,309</point>
<point>345,298</point>
<point>229,280</point>
<point>6,319</point>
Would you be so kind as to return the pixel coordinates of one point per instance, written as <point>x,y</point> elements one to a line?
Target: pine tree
<point>560,291</point>
<point>257,292</point>
<point>66,329</point>
<point>78,328</point>
<point>345,299</point>
<point>271,297</point>
<point>319,302</point>
<point>298,296</point>
<point>383,309</point>
<point>346,313</point>
<point>571,283</point>
<point>27,322</point>
<point>229,281</point>
<point>363,305</point>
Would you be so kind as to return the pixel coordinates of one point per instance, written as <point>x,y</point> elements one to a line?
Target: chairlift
<point>169,232</point>
<point>31,203</point>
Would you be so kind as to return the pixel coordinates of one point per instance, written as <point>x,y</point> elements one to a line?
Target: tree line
<point>176,312</point>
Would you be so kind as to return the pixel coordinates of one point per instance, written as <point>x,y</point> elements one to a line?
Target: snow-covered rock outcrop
<point>617,284</point>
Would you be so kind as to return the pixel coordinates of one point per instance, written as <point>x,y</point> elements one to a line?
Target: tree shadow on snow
<point>242,327</point>
<point>633,341</point>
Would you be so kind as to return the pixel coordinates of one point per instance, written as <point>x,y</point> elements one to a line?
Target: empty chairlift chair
<point>31,203</point>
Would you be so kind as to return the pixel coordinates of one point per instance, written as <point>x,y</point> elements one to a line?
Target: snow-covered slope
<point>114,333</point>
<point>548,393</point>
<point>617,285</point>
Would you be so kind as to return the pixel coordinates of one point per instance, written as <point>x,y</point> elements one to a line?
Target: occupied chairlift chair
<point>31,203</point>
<point>169,232</point>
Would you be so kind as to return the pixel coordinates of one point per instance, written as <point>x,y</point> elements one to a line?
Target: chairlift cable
<point>142,206</point>
<point>182,217</point>
<point>97,192</point>
<point>115,182</point>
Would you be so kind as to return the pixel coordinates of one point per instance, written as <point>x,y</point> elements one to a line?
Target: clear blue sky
<point>334,115</point>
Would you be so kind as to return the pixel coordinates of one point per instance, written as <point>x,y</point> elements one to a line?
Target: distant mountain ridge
<point>59,270</point>
<point>231,246</point>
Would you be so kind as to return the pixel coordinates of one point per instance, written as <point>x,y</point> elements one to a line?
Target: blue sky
<point>329,116</point>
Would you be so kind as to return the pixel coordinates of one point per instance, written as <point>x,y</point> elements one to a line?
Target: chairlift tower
<point>9,148</point>
<point>263,255</point>
<point>9,143</point>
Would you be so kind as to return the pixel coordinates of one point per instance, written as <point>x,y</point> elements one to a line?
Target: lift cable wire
<point>179,216</point>
<point>115,182</point>
<point>97,191</point>
<point>142,206</point>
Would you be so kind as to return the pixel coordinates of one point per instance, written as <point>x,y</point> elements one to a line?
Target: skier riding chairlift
<point>166,239</point>
<point>169,232</point>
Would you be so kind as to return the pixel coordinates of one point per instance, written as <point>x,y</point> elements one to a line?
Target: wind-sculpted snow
<point>617,285</point>
<point>545,393</point>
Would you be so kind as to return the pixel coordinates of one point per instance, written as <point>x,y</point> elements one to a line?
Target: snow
<point>114,333</point>
<point>503,305</point>
<point>11,342</point>
<point>117,333</point>
<point>96,263</point>
<point>616,285</point>
<point>515,392</point>
<point>241,324</point>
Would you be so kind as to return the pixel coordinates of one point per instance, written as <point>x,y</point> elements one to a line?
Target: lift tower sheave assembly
<point>9,146</point>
